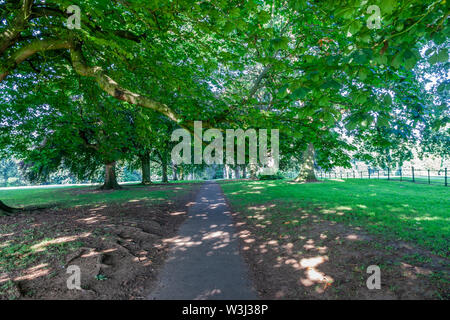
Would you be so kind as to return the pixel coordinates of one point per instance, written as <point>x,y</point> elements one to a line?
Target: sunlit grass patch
<point>17,255</point>
<point>395,210</point>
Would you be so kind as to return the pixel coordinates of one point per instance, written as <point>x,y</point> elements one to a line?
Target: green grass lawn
<point>74,196</point>
<point>396,210</point>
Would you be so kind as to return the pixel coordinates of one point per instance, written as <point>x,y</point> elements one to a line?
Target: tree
<point>226,62</point>
<point>269,38</point>
<point>81,131</point>
<point>418,120</point>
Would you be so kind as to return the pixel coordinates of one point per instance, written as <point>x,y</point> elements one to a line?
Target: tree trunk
<point>307,167</point>
<point>181,174</point>
<point>110,177</point>
<point>237,173</point>
<point>253,171</point>
<point>146,174</point>
<point>244,172</point>
<point>164,171</point>
<point>174,172</point>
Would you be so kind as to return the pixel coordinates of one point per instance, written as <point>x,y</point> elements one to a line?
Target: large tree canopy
<point>248,51</point>
<point>316,70</point>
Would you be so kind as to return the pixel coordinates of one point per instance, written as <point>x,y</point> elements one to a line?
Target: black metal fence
<point>426,176</point>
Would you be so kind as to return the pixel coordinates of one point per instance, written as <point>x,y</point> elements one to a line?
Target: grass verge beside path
<point>64,197</point>
<point>317,240</point>
<point>398,211</point>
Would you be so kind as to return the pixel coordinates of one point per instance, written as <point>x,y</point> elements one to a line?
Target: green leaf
<point>383,120</point>
<point>444,87</point>
<point>388,6</point>
<point>235,12</point>
<point>323,101</point>
<point>345,13</point>
<point>381,59</point>
<point>397,61</point>
<point>355,27</point>
<point>440,56</point>
<point>264,17</point>
<point>362,74</point>
<point>281,43</point>
<point>331,84</point>
<point>300,5</point>
<point>299,93</point>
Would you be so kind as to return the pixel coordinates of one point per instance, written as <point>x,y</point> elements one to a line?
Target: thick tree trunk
<point>307,167</point>
<point>110,177</point>
<point>145,166</point>
<point>237,173</point>
<point>253,171</point>
<point>164,171</point>
<point>174,172</point>
<point>181,174</point>
<point>244,172</point>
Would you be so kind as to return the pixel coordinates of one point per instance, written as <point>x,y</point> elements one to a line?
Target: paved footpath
<point>204,261</point>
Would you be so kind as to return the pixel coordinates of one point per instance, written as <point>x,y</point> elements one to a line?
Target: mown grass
<point>395,210</point>
<point>63,197</point>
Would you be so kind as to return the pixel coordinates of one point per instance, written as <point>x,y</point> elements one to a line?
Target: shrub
<point>277,176</point>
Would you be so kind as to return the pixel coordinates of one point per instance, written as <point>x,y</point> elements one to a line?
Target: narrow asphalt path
<point>204,261</point>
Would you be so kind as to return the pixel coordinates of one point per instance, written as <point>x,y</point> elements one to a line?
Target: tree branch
<point>111,87</point>
<point>29,50</point>
<point>10,35</point>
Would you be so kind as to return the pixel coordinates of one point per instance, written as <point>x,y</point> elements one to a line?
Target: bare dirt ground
<point>320,259</point>
<point>119,248</point>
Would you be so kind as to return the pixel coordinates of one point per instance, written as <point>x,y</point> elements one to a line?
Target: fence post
<point>412,170</point>
<point>389,174</point>
<point>429,176</point>
<point>445,176</point>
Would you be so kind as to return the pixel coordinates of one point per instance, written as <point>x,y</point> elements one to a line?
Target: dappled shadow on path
<point>204,262</point>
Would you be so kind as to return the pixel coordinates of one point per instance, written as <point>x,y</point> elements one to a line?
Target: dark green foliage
<point>277,176</point>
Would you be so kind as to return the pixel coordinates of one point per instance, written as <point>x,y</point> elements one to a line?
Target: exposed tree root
<point>123,249</point>
<point>77,254</point>
<point>133,232</point>
<point>7,210</point>
<point>100,265</point>
<point>107,187</point>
